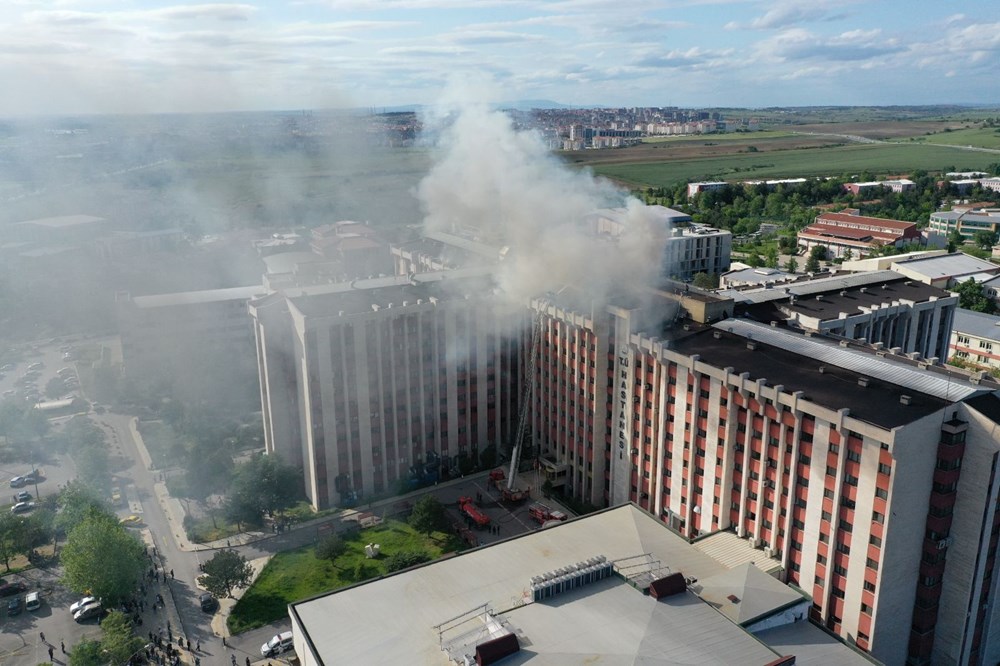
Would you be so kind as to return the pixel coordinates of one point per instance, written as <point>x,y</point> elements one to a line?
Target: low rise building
<point>975,339</point>
<point>845,234</point>
<point>966,221</point>
<point>612,587</point>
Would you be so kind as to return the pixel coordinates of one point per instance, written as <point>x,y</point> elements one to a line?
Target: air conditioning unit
<point>769,552</point>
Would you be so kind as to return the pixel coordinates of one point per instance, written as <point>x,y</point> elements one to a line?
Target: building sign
<point>621,447</point>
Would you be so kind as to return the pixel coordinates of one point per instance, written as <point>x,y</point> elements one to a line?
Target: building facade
<point>975,339</point>
<point>378,383</point>
<point>816,452</point>
<point>849,233</point>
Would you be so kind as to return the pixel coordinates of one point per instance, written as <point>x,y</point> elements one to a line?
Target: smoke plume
<point>503,186</point>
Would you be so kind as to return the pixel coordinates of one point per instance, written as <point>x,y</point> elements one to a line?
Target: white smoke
<point>505,187</point>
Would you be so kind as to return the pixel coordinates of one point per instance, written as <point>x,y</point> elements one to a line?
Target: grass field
<point>299,574</point>
<point>834,161</point>
<point>731,136</point>
<point>985,137</point>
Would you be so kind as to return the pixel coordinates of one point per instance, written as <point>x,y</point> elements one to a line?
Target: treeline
<point>741,208</point>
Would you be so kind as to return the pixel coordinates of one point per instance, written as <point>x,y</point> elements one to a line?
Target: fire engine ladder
<point>529,383</point>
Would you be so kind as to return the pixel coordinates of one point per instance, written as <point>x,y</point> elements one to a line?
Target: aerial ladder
<point>509,492</point>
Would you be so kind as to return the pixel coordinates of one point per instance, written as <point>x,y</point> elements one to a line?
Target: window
<point>869,587</point>
<point>804,459</point>
<point>871,564</point>
<point>840,570</point>
<point>834,448</point>
<point>819,580</point>
<point>878,517</point>
<point>827,493</point>
<point>824,537</point>
<point>881,494</point>
<point>821,559</point>
<point>831,471</point>
<point>837,592</point>
<point>875,541</point>
<point>866,609</point>
<point>827,516</point>
<point>853,456</point>
<point>884,469</point>
<point>843,548</point>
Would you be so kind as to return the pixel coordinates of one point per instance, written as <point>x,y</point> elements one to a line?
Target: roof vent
<point>845,343</point>
<point>863,382</point>
<point>819,297</point>
<point>895,350</point>
<point>822,369</point>
<point>774,324</point>
<point>717,334</point>
<point>905,399</point>
<point>843,293</point>
<point>878,345</point>
<point>864,290</point>
<point>751,345</point>
<point>735,599</point>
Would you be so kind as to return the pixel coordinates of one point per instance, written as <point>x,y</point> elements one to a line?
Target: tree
<point>427,515</point>
<point>812,264</point>
<point>704,281</point>
<point>985,239</point>
<point>87,653</point>
<point>771,256</point>
<point>77,502</point>
<point>955,240</point>
<point>11,535</point>
<point>103,559</point>
<point>226,571</point>
<point>330,548</point>
<point>972,296</point>
<point>262,486</point>
<point>118,643</point>
<point>791,265</point>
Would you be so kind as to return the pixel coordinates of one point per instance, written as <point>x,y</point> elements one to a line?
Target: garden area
<point>335,562</point>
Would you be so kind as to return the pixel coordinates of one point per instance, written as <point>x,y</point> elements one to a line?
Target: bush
<point>404,560</point>
<point>330,548</point>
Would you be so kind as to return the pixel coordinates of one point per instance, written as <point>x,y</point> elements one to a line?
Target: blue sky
<point>86,56</point>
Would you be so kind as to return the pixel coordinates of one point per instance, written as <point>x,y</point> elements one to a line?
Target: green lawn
<point>879,158</point>
<point>298,574</point>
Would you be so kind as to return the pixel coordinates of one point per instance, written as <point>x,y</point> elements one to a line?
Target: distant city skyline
<point>96,56</point>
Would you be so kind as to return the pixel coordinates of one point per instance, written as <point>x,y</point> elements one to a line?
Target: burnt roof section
<point>830,304</point>
<point>835,388</point>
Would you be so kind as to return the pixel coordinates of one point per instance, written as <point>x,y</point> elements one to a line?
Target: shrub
<point>404,560</point>
<point>330,548</point>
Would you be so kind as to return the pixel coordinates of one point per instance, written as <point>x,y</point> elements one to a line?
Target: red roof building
<point>840,232</point>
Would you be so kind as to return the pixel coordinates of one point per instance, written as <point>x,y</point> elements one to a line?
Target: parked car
<point>208,602</point>
<point>22,507</point>
<point>90,610</point>
<point>14,606</point>
<point>7,589</point>
<point>131,521</point>
<point>18,482</point>
<point>32,601</point>
<point>81,603</point>
<point>279,643</point>
<point>24,496</point>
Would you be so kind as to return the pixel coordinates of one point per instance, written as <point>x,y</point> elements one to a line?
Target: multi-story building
<point>843,461</point>
<point>975,339</point>
<point>372,383</point>
<point>965,221</point>
<point>845,232</point>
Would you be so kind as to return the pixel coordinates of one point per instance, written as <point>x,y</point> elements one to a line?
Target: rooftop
<point>863,299</point>
<point>948,265</point>
<point>894,225</point>
<point>828,373</point>
<point>63,221</point>
<point>977,324</point>
<point>606,620</point>
<point>199,297</point>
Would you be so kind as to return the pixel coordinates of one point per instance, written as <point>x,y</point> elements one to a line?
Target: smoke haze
<point>505,187</point>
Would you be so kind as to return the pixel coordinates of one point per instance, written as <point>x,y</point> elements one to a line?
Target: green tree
<point>753,259</point>
<point>102,558</point>
<point>87,653</point>
<point>955,240</point>
<point>118,643</point>
<point>972,296</point>
<point>427,515</point>
<point>77,501</point>
<point>263,486</point>
<point>791,265</point>
<point>985,239</point>
<point>771,256</point>
<point>704,281</point>
<point>812,264</point>
<point>11,536</point>
<point>226,571</point>
<point>330,548</point>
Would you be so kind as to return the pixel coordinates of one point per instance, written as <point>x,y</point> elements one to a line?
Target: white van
<point>279,643</point>
<point>32,601</point>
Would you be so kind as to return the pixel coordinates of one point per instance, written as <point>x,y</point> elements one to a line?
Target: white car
<point>81,603</point>
<point>279,643</point>
<point>21,507</point>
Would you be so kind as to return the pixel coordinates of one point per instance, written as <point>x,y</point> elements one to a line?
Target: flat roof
<point>811,286</point>
<point>824,648</point>
<point>792,360</point>
<point>198,297</point>
<point>607,620</point>
<point>977,324</point>
<point>854,301</point>
<point>947,265</point>
<point>885,223</point>
<point>63,221</point>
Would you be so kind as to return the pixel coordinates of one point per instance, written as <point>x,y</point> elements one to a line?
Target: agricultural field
<point>299,574</point>
<point>891,158</point>
<point>731,136</point>
<point>982,137</point>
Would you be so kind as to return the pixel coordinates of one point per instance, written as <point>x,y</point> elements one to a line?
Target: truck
<point>471,511</point>
<point>544,514</point>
